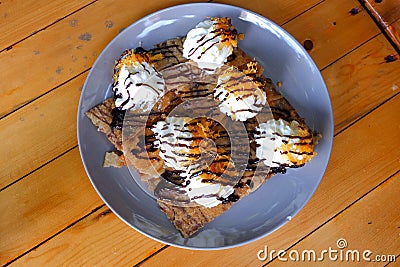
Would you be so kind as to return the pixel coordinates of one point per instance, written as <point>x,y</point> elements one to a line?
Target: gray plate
<point>275,202</point>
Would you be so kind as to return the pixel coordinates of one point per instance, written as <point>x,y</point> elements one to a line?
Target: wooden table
<point>50,213</point>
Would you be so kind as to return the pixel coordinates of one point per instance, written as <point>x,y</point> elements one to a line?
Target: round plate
<point>271,205</point>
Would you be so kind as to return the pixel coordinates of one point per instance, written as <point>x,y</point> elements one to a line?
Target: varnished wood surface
<point>52,216</point>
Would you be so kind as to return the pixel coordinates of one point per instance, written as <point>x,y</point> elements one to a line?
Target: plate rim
<point>203,5</point>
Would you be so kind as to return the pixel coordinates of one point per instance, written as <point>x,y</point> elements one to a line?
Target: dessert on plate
<point>200,123</point>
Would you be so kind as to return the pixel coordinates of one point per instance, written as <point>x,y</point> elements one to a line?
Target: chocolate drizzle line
<point>194,49</point>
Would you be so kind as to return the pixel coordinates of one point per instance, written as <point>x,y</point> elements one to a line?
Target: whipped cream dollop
<point>137,83</point>
<point>175,142</point>
<point>282,143</point>
<point>208,194</point>
<point>211,42</point>
<point>240,96</point>
<point>178,142</point>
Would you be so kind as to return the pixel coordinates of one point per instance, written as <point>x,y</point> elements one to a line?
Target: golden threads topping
<point>241,85</point>
<point>227,32</point>
<point>298,148</point>
<point>241,95</point>
<point>202,129</point>
<point>252,68</point>
<point>283,143</point>
<point>130,58</point>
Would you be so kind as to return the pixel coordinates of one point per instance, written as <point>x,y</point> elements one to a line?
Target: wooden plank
<point>360,81</point>
<point>72,51</point>
<point>44,203</point>
<point>330,31</point>
<point>16,23</point>
<point>39,132</point>
<point>76,245</point>
<point>377,214</point>
<point>352,172</point>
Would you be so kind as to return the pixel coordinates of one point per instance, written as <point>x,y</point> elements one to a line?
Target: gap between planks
<point>84,72</point>
<point>39,167</point>
<point>392,263</point>
<point>56,234</point>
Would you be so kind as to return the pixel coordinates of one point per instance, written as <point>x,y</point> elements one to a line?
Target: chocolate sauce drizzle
<point>241,92</point>
<point>197,89</point>
<point>118,115</point>
<point>231,198</point>
<point>226,35</point>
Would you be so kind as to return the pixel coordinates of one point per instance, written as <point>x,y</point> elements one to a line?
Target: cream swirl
<point>240,96</point>
<point>175,142</point>
<point>211,42</point>
<point>179,141</point>
<point>283,143</point>
<point>138,85</point>
<point>208,194</point>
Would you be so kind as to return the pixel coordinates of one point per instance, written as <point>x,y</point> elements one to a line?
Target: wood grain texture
<point>351,173</point>
<point>39,131</point>
<point>330,31</point>
<point>43,204</point>
<point>53,197</point>
<point>377,214</point>
<point>394,30</point>
<point>63,139</point>
<point>360,81</point>
<point>116,244</point>
<point>17,23</point>
<point>76,42</point>
<point>74,48</point>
